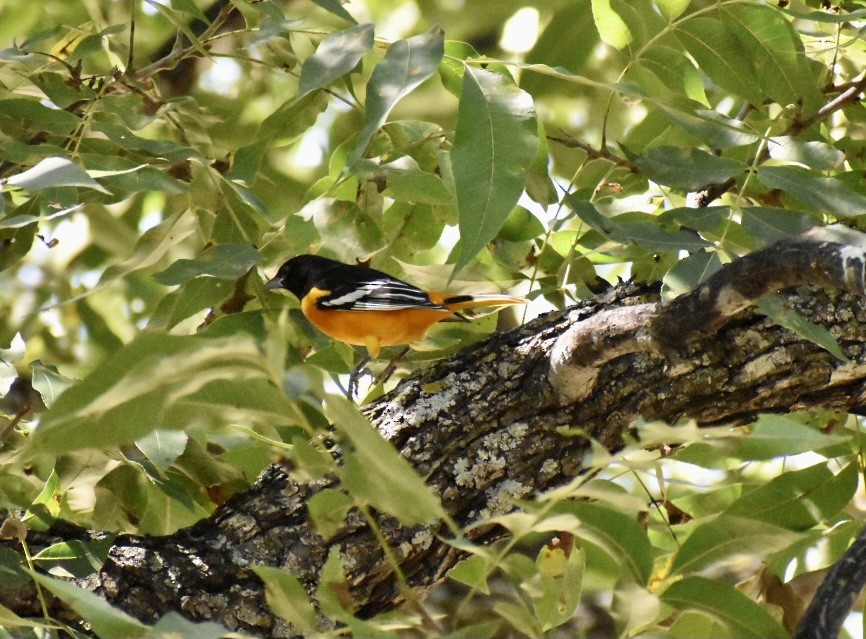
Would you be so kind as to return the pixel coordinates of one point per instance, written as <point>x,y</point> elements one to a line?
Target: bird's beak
<point>273,283</point>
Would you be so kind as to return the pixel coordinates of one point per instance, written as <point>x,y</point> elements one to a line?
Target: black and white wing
<point>380,294</point>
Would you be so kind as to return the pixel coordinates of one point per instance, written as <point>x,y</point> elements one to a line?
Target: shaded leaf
<point>775,308</point>
<point>376,473</point>
<point>406,65</point>
<point>724,538</point>
<point>689,169</point>
<point>646,231</point>
<point>825,194</point>
<point>494,146</point>
<point>107,622</point>
<point>288,599</point>
<point>726,605</point>
<point>771,225</point>
<point>142,387</point>
<point>799,499</point>
<point>328,509</point>
<point>224,261</point>
<point>336,7</point>
<point>721,56</point>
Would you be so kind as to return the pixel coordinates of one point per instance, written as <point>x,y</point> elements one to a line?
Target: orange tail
<point>459,302</point>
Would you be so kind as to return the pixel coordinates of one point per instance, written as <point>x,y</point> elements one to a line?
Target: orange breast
<point>373,329</point>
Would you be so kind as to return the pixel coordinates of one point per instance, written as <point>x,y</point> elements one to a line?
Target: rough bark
<point>491,425</point>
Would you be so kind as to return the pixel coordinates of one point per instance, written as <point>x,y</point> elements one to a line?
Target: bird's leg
<point>385,375</point>
<point>355,377</point>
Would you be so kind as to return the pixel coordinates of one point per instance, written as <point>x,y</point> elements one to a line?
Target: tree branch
<point>486,428</point>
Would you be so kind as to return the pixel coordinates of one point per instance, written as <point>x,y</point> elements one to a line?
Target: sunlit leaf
<point>618,534</point>
<point>53,172</point>
<point>777,51</point>
<point>336,56</point>
<point>611,27</point>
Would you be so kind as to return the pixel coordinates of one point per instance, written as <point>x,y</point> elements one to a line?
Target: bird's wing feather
<point>381,294</point>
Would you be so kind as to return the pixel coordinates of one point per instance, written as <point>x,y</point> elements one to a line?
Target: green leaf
<point>721,56</point>
<point>224,261</point>
<point>406,65</point>
<point>724,538</point>
<point>769,437</point>
<point>616,533</point>
<point>567,42</point>
<point>14,571</point>
<point>814,154</point>
<point>671,9</point>
<point>138,388</point>
<point>452,68</point>
<point>188,299</point>
<point>376,473</point>
<point>711,127</point>
<point>643,230</point>
<point>690,272</point>
<point>48,381</point>
<point>53,172</point>
<point>520,618</point>
<point>9,619</point>
<point>288,599</point>
<point>826,194</point>
<point>32,114</point>
<point>336,7</point>
<point>473,572</point>
<point>688,169</point>
<point>777,53</point>
<point>153,245</point>
<point>106,621</point>
<point>328,509</point>
<point>771,224</point>
<point>799,499</point>
<point>174,625</point>
<point>611,27</point>
<point>494,147</point>
<point>726,605</point>
<point>163,447</point>
<point>335,56</point>
<point>559,585</point>
<point>775,308</point>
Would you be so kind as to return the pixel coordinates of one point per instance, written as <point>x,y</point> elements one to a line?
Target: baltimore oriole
<point>362,306</point>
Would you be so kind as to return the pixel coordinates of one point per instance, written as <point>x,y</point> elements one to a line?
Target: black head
<point>300,274</point>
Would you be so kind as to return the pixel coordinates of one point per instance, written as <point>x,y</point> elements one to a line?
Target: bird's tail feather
<point>460,302</point>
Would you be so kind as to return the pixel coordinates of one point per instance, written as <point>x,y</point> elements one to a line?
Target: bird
<point>362,306</point>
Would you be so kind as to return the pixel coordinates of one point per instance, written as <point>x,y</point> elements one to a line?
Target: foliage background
<point>146,189</point>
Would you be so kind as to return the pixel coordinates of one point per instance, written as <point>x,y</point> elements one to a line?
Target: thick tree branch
<point>488,427</point>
